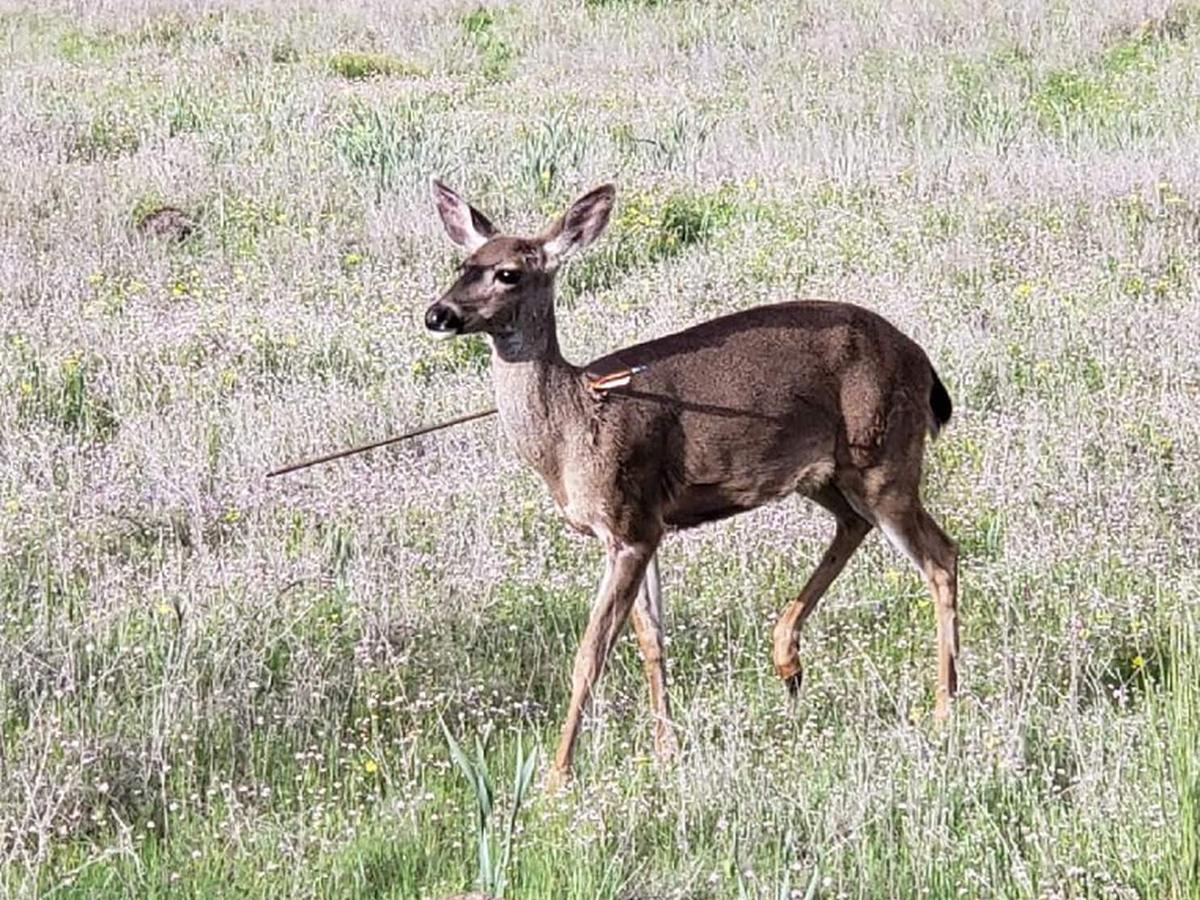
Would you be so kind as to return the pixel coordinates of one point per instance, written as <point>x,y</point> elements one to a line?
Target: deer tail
<point>939,403</point>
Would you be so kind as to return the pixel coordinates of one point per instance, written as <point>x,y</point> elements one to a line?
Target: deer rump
<point>753,406</point>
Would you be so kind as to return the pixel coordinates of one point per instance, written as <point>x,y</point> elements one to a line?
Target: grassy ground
<point>216,686</point>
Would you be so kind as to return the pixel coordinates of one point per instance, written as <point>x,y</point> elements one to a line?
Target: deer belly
<point>700,502</point>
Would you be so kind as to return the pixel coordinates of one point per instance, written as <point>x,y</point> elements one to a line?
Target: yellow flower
<point>1138,661</point>
<point>371,766</point>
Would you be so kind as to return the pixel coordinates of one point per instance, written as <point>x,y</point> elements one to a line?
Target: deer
<point>823,399</point>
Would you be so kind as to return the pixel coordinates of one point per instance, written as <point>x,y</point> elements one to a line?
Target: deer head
<point>506,285</point>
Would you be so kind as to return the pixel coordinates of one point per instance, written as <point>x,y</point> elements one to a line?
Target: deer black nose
<point>440,317</point>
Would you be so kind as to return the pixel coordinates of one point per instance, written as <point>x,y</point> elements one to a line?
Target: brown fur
<point>827,400</point>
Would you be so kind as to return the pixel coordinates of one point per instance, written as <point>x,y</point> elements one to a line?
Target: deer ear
<point>467,226</point>
<point>580,226</point>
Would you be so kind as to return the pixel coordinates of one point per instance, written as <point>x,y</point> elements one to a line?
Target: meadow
<point>215,685</point>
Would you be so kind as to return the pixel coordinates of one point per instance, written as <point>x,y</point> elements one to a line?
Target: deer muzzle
<point>443,320</point>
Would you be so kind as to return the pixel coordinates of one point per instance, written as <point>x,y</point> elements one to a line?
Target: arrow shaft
<point>600,383</point>
<point>304,464</point>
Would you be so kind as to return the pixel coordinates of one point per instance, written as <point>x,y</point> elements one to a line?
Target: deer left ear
<point>581,225</point>
<point>466,226</point>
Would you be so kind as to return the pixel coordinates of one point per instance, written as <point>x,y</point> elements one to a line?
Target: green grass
<point>218,685</point>
<point>481,29</point>
<point>650,229</point>
<point>355,65</point>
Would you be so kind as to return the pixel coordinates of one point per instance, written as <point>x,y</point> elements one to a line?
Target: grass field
<point>212,685</point>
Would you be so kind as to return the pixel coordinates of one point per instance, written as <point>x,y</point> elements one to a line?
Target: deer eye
<point>508,276</point>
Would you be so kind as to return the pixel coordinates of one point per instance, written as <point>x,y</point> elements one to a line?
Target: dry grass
<point>218,686</point>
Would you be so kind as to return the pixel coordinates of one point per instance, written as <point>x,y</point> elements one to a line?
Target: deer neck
<point>539,394</point>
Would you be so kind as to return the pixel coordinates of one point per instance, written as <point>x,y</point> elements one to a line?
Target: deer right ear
<point>467,226</point>
<point>581,225</point>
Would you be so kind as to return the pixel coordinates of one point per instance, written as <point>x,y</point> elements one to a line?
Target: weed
<point>618,4</point>
<point>496,55</point>
<point>465,356</point>
<point>1069,96</point>
<point>547,152</point>
<point>356,66</point>
<point>493,867</point>
<point>675,145</point>
<point>648,229</point>
<point>284,53</point>
<point>389,145</point>
<point>64,395</point>
<point>108,135</point>
<point>185,112</point>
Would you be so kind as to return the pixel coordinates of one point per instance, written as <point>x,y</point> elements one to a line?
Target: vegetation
<point>213,685</point>
<point>356,65</point>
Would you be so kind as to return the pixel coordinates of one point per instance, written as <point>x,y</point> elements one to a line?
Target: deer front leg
<point>647,623</point>
<point>623,575</point>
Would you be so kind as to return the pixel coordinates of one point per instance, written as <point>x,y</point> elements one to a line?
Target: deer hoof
<point>666,747</point>
<point>942,708</point>
<point>557,780</point>
<point>792,675</point>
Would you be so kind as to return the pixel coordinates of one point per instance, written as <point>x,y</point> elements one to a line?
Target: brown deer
<point>826,400</point>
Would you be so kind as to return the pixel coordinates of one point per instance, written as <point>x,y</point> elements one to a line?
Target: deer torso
<point>726,416</point>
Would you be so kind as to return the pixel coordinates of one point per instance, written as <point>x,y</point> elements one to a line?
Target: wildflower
<point>371,766</point>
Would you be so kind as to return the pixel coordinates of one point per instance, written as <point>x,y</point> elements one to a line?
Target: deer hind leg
<point>647,624</point>
<point>851,529</point>
<point>912,531</point>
